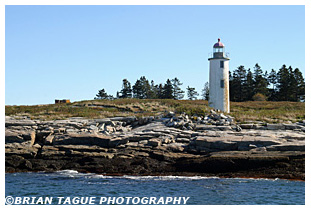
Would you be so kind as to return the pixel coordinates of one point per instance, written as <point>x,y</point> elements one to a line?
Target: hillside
<point>264,111</point>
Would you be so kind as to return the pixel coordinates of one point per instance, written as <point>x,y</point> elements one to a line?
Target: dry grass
<point>266,111</point>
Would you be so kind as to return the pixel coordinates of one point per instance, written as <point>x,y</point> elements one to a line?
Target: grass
<point>268,111</point>
<point>265,111</point>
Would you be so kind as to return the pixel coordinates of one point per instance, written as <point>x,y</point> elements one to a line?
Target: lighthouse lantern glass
<point>218,49</point>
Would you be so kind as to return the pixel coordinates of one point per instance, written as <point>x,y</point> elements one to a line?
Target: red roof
<point>219,44</point>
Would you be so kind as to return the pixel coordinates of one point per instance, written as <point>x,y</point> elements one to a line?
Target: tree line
<point>143,89</point>
<point>287,84</point>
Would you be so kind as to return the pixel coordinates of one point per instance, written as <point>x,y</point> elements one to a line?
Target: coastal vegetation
<point>286,84</point>
<point>275,97</point>
<point>243,112</point>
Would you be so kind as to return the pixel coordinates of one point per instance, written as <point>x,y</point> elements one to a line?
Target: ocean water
<point>200,190</point>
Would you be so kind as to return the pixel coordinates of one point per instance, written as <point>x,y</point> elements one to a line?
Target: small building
<point>219,79</point>
<point>63,101</point>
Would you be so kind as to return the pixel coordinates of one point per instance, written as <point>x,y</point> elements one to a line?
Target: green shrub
<point>259,97</point>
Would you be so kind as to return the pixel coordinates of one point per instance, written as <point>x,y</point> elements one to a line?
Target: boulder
<point>101,126</point>
<point>238,128</point>
<point>60,130</point>
<point>259,149</point>
<point>49,140</point>
<point>292,126</point>
<point>217,143</point>
<point>13,136</point>
<point>41,136</point>
<point>116,142</point>
<point>23,150</point>
<point>183,140</point>
<point>94,128</point>
<point>84,139</point>
<point>202,127</point>
<point>275,127</point>
<point>286,147</point>
<point>222,116</point>
<point>224,128</point>
<point>16,161</point>
<point>247,126</point>
<point>135,138</point>
<point>170,114</point>
<point>110,129</point>
<point>32,137</point>
<point>175,147</point>
<point>16,122</point>
<point>154,142</point>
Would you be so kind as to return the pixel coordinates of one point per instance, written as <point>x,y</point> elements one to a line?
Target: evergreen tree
<point>192,94</point>
<point>205,91</point>
<point>300,85</point>
<point>126,91</point>
<point>296,86</point>
<point>160,91</point>
<point>237,91</point>
<point>137,89</point>
<point>146,87</point>
<point>178,93</point>
<point>260,82</point>
<point>153,90</point>
<point>168,90</point>
<point>272,78</point>
<point>249,85</point>
<point>103,95</point>
<point>292,85</point>
<point>142,88</point>
<point>283,84</point>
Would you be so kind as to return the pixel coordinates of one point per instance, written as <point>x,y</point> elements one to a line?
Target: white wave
<point>73,173</point>
<point>253,179</point>
<point>164,178</point>
<point>67,172</point>
<point>76,174</point>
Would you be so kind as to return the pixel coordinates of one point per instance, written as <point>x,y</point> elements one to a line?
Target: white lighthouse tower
<point>219,79</point>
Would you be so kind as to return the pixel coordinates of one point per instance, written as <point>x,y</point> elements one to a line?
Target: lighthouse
<point>219,79</point>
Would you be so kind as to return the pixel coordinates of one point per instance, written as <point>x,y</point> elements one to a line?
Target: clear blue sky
<point>58,52</point>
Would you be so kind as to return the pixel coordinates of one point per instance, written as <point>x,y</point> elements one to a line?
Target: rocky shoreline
<point>169,144</point>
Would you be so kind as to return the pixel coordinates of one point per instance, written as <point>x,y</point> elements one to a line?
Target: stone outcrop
<point>151,145</point>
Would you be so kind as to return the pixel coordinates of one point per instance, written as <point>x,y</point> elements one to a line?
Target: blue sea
<point>69,184</point>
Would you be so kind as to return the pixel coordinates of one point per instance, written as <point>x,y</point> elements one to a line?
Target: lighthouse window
<point>222,83</point>
<point>221,64</point>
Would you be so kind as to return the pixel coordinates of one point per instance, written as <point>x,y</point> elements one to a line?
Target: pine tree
<point>168,90</point>
<point>283,84</point>
<point>300,88</point>
<point>296,86</point>
<point>205,91</point>
<point>153,90</point>
<point>272,78</point>
<point>160,91</point>
<point>260,82</point>
<point>249,85</point>
<point>141,89</point>
<point>103,95</point>
<point>238,91</point>
<point>137,89</point>
<point>178,93</point>
<point>192,94</point>
<point>292,85</point>
<point>126,91</point>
